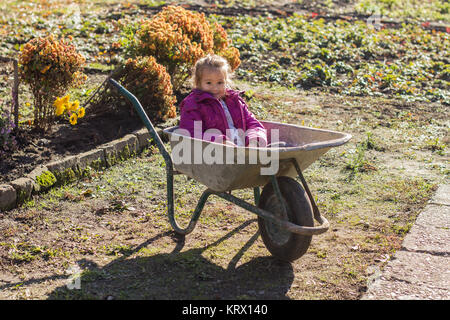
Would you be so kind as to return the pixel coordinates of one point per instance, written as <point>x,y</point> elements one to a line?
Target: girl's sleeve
<point>254,129</point>
<point>191,120</point>
<point>188,117</point>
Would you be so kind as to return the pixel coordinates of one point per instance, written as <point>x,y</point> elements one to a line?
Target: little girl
<point>213,105</point>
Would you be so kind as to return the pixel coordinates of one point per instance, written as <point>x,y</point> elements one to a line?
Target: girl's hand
<point>229,143</point>
<point>254,143</point>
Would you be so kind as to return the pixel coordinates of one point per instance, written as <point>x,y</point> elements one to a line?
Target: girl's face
<point>213,81</point>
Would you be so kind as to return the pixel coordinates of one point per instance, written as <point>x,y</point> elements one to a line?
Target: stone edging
<point>71,168</point>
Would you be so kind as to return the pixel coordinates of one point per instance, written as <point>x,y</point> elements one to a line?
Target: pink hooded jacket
<point>202,106</point>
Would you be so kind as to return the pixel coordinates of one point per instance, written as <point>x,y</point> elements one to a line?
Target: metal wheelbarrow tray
<point>286,209</point>
<point>238,171</point>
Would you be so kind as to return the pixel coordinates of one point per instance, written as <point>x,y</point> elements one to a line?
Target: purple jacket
<point>202,106</point>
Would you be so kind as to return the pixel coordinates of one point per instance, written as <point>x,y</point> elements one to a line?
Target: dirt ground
<point>108,237</point>
<point>35,149</point>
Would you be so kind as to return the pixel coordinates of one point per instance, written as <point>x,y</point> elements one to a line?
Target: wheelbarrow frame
<point>289,226</point>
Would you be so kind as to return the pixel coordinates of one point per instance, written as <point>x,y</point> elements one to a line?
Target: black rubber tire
<point>283,244</point>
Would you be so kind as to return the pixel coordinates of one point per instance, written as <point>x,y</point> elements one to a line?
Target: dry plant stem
<point>14,91</point>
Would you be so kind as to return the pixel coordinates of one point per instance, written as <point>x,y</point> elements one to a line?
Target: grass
<point>411,9</point>
<point>116,219</point>
<point>349,58</point>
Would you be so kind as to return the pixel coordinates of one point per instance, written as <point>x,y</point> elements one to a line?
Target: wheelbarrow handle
<point>169,165</point>
<point>151,129</point>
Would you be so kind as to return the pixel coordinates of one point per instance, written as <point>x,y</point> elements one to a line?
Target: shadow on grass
<point>181,275</point>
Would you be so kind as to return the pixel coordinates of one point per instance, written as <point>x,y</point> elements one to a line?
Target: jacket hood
<point>200,95</point>
<point>197,97</point>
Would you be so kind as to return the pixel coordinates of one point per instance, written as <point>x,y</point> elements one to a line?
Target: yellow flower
<point>76,104</point>
<point>59,105</point>
<point>66,99</point>
<point>71,106</point>
<point>58,102</point>
<point>45,69</point>
<point>60,110</point>
<point>81,112</point>
<point>73,119</point>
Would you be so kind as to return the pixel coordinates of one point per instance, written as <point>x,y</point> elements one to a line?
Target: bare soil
<point>35,148</point>
<point>108,236</point>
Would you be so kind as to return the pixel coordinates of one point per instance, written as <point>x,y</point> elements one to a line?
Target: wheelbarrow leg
<point>316,211</point>
<point>171,210</point>
<point>256,194</point>
<point>169,165</point>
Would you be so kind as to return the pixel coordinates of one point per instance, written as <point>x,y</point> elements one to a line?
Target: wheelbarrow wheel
<point>281,243</point>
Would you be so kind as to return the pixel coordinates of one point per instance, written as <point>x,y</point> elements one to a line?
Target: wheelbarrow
<point>285,208</point>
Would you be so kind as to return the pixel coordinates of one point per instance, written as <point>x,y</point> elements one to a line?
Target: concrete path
<point>421,268</point>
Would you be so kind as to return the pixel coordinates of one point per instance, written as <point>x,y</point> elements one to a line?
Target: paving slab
<point>442,195</point>
<point>39,170</point>
<point>88,158</point>
<point>412,275</point>
<point>420,270</point>
<point>8,197</point>
<point>431,232</point>
<point>143,137</point>
<point>24,187</point>
<point>397,290</point>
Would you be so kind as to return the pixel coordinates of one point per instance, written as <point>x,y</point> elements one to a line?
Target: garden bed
<point>271,54</point>
<point>38,149</point>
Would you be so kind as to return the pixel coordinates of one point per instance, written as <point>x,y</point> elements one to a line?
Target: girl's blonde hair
<point>211,61</point>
